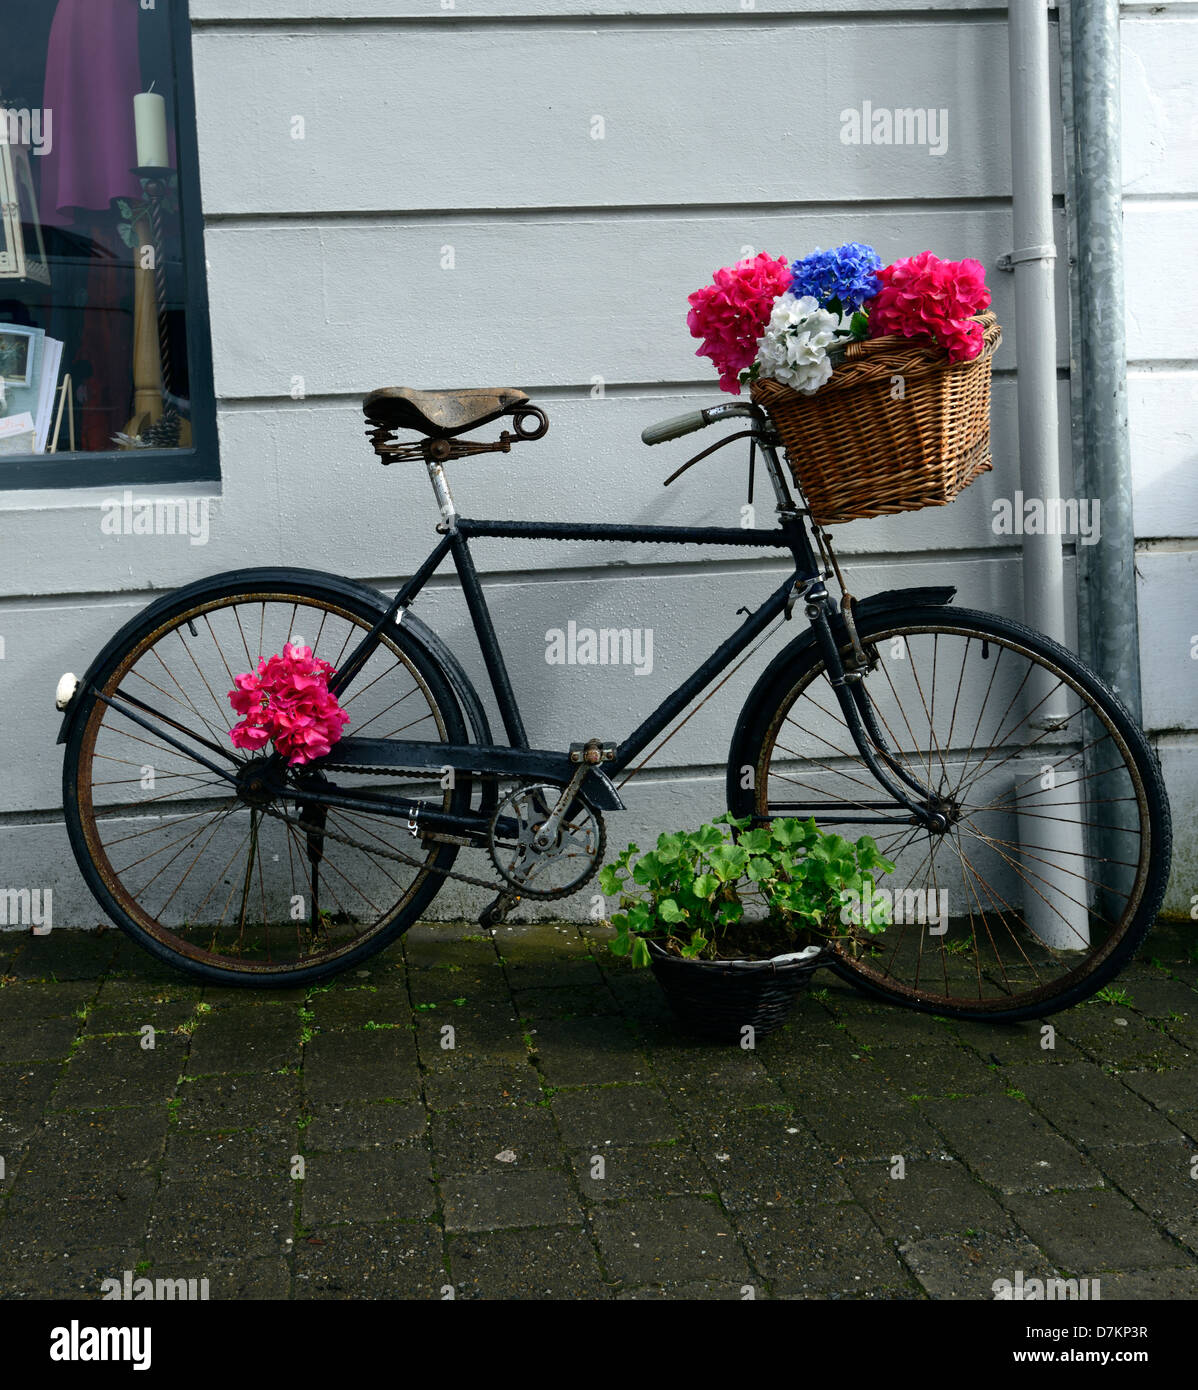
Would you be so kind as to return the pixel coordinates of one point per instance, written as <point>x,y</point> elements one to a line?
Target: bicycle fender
<point>422,635</point>
<point>889,600</point>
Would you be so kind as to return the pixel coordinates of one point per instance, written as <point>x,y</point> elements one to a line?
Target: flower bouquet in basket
<point>877,378</point>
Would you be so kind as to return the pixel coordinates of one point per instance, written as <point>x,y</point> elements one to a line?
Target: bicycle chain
<point>400,858</point>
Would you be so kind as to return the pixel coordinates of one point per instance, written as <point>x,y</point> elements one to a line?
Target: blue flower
<point>843,279</point>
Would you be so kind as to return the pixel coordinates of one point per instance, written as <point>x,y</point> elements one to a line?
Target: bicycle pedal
<point>494,913</point>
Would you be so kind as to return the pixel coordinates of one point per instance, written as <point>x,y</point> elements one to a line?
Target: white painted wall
<point>1160,189</point>
<point>469,126</point>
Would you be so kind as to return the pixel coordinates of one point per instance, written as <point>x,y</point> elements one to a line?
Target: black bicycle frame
<point>519,760</point>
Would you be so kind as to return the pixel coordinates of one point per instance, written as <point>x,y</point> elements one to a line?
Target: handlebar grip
<point>675,428</point>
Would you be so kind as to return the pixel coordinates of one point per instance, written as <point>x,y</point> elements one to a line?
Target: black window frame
<point>200,462</point>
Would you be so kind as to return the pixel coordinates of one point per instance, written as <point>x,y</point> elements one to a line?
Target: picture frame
<point>16,353</point>
<point>22,247</point>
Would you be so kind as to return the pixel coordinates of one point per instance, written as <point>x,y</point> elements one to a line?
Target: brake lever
<point>719,444</point>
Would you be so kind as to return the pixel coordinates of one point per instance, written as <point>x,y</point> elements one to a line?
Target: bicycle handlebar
<point>679,425</point>
<point>675,428</point>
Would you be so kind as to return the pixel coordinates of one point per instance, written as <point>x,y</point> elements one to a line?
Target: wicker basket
<point>717,999</point>
<point>857,451</point>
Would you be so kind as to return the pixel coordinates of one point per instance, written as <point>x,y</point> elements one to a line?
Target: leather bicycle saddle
<point>441,414</point>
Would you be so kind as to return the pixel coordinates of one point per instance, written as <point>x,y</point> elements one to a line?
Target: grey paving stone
<point>557,1264</point>
<point>676,1239</point>
<point>579,1001</point>
<point>596,1115</point>
<point>76,1274</point>
<point>1159,1179</point>
<point>1114,1036</point>
<point>588,1052</point>
<point>105,1072</point>
<point>639,995</point>
<point>823,1248</point>
<point>376,1262</point>
<point>1173,1092</point>
<point>245,1039</point>
<point>192,1155</point>
<point>640,1171</point>
<point>220,1218</point>
<point>967,1267</point>
<point>27,1001</point>
<point>482,1032</point>
<point>694,1292</point>
<point>1086,1232</point>
<point>931,1198</point>
<point>698,1081</point>
<point>871,1122</point>
<point>497,1201</point>
<point>225,1103</point>
<point>1008,1145</point>
<point>349,1007</point>
<point>1150,1285</point>
<point>1013,1044</point>
<point>263,1279</point>
<point>1090,1107</point>
<point>467,1082</point>
<point>92,1153</point>
<point>366,1126</point>
<point>41,1224</point>
<point>935,1071</point>
<point>471,1138</point>
<point>1155,995</point>
<point>361,1065</point>
<point>433,946</point>
<point>379,1185</point>
<point>66,955</point>
<point>882,1026</point>
<point>763,1158</point>
<point>38,1039</point>
<point>24,1094</point>
<point>483,984</point>
<point>168,1017</point>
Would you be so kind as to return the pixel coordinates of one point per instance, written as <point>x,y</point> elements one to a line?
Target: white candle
<point>149,116</point>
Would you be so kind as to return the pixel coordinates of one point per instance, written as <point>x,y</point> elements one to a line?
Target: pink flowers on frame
<point>287,701</point>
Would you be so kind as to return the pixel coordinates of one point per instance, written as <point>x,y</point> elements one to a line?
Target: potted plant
<point>734,918</point>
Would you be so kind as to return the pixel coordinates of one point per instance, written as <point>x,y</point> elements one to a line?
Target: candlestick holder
<point>156,422</point>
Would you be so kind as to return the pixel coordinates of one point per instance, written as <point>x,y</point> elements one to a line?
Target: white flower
<point>794,347</point>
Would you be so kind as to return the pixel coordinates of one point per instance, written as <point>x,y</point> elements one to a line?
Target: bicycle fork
<point>848,687</point>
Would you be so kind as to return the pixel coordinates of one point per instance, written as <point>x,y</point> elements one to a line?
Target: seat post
<point>436,474</point>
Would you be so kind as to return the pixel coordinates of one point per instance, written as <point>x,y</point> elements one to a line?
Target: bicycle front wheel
<point>226,881</point>
<point>1054,855</point>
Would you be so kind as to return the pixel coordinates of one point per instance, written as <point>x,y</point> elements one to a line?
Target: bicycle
<point>988,761</point>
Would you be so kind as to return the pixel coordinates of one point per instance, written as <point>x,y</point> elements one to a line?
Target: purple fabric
<point>92,75</point>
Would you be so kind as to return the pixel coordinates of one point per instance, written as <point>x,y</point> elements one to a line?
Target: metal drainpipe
<point>1106,571</point>
<point>1035,305</point>
<point>1052,845</point>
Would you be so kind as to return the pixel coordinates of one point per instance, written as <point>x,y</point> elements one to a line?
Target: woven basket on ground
<point>718,999</point>
<point>898,427</point>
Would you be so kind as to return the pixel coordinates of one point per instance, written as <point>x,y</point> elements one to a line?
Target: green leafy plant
<point>691,893</point>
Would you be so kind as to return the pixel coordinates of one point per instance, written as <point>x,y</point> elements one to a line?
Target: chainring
<point>563,866</point>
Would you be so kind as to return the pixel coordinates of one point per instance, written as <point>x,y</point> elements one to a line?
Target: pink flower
<point>923,296</point>
<point>730,314</point>
<point>288,701</point>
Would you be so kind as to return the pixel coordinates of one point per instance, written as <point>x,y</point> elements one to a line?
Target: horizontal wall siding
<point>470,128</point>
<point>1160,181</point>
<point>448,133</point>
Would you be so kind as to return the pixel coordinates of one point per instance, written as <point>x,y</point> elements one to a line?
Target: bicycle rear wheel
<point>234,883</point>
<point>1054,859</point>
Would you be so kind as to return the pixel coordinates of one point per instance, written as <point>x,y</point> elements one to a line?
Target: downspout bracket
<point>1010,259</point>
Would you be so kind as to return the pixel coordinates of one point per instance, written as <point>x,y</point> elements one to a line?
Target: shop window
<point>105,373</point>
